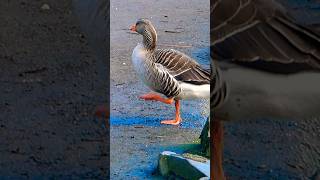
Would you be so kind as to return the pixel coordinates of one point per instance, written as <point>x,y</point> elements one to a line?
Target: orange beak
<point>133,28</point>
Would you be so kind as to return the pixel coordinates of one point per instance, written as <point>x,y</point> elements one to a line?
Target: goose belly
<point>255,95</point>
<point>191,91</point>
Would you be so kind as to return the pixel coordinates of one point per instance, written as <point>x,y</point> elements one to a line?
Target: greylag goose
<point>266,65</point>
<point>167,71</point>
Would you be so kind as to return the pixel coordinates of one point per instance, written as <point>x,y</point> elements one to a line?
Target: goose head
<point>148,32</point>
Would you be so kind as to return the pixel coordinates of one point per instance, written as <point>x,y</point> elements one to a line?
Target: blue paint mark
<point>189,120</point>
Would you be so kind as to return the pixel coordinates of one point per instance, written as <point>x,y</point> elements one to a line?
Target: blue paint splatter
<point>189,120</point>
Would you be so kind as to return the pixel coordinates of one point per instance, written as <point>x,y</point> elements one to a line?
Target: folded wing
<point>261,34</point>
<point>182,67</point>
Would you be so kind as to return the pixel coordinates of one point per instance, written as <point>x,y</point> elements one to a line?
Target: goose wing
<point>260,33</point>
<point>182,67</point>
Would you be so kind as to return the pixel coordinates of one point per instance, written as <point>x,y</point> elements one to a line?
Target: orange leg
<point>177,120</point>
<point>102,111</point>
<point>156,97</point>
<point>217,151</point>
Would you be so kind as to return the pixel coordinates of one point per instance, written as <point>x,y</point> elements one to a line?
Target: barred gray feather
<point>257,32</point>
<point>219,90</point>
<point>182,67</point>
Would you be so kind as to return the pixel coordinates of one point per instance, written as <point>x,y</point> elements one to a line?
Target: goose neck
<point>149,39</point>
